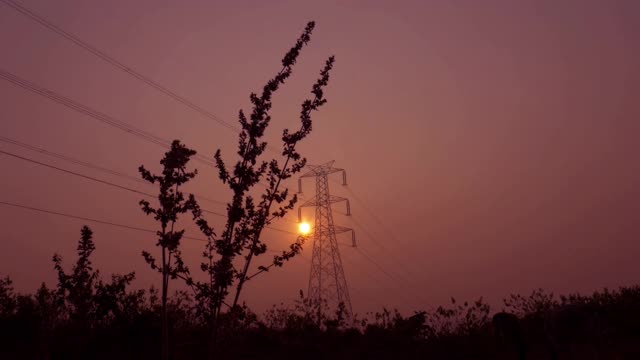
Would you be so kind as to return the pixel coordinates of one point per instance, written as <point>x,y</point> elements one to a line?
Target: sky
<point>491,147</point>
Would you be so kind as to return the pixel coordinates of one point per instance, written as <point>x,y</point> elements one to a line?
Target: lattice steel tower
<point>326,279</point>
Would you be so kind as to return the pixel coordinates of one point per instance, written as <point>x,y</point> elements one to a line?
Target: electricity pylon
<point>326,278</point>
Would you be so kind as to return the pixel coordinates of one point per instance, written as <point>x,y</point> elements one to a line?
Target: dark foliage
<point>246,215</point>
<point>87,317</point>
<point>172,204</point>
<point>70,318</point>
<point>228,258</point>
<point>125,324</point>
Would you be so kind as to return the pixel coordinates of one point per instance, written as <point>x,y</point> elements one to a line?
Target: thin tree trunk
<point>164,322</point>
<point>243,278</point>
<point>213,346</point>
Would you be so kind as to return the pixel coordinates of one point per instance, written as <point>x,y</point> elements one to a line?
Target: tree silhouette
<point>82,303</point>
<point>172,203</point>
<point>246,215</point>
<point>75,290</point>
<point>31,327</point>
<point>7,298</point>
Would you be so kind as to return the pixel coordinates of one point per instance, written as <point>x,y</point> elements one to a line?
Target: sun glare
<point>304,228</point>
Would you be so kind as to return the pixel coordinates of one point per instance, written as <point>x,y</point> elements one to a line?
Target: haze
<point>491,147</point>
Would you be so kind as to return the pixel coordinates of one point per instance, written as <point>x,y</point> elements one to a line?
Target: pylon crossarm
<point>332,199</point>
<point>341,229</point>
<point>321,170</point>
<point>309,203</point>
<point>335,199</point>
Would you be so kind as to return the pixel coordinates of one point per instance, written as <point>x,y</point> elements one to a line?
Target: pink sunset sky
<point>491,147</point>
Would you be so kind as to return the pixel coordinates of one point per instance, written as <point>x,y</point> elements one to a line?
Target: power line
<point>104,222</point>
<point>383,270</point>
<point>77,174</point>
<point>110,223</point>
<point>119,186</point>
<point>371,213</point>
<point>124,226</point>
<point>322,171</point>
<point>121,125</point>
<point>127,69</point>
<point>110,60</point>
<point>88,219</point>
<point>377,281</point>
<point>100,168</point>
<point>90,165</point>
<point>389,254</point>
<point>70,159</point>
<point>144,135</point>
<point>16,80</point>
<point>371,260</point>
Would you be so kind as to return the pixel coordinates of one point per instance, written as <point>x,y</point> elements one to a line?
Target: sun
<point>304,228</point>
